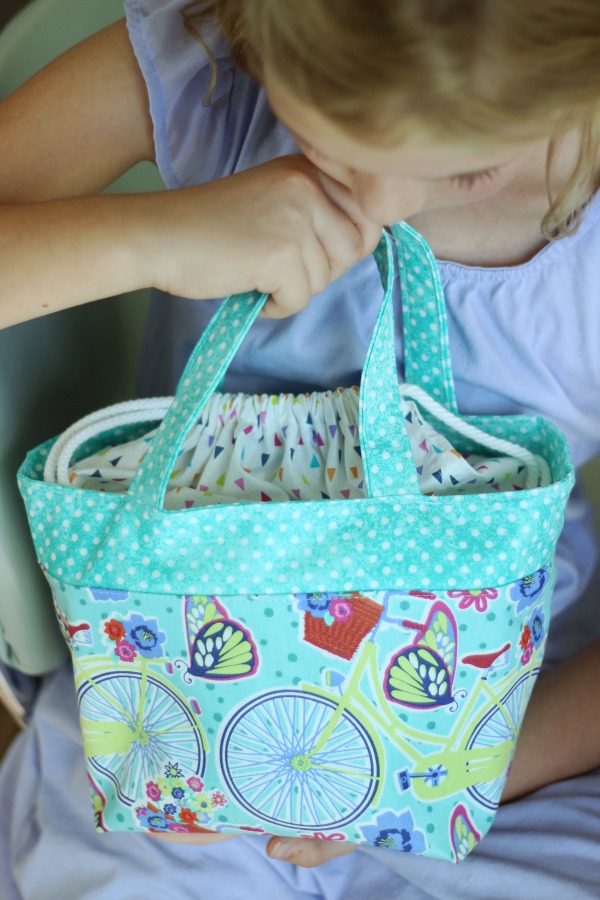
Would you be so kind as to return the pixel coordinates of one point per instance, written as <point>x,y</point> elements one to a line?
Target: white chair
<point>56,369</point>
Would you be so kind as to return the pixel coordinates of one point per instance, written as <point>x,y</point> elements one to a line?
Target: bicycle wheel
<point>496,726</point>
<point>167,730</point>
<point>271,768</point>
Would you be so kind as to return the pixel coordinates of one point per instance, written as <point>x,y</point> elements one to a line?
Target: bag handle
<point>387,457</point>
<point>426,349</point>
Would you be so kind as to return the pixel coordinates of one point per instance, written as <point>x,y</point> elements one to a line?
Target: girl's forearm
<point>560,737</point>
<point>273,229</point>
<point>58,254</point>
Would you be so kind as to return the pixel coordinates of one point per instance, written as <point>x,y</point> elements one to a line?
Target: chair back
<point>55,369</point>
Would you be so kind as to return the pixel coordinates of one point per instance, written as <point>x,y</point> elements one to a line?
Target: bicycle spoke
<point>289,782</point>
<point>166,728</point>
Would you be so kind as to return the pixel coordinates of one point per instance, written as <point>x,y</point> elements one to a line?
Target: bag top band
<point>461,541</point>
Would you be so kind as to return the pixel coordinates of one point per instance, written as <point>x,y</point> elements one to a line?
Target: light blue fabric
<point>544,846</point>
<point>523,339</point>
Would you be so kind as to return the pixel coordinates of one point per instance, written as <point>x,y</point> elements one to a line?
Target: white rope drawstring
<point>130,412</point>
<point>154,409</point>
<point>538,472</point>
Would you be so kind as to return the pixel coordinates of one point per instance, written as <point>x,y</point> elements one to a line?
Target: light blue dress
<point>523,339</point>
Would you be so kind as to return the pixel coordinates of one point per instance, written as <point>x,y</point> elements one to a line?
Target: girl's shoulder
<point>209,118</point>
<point>174,56</point>
<point>177,70</point>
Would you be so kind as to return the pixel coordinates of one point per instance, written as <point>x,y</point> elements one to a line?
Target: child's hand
<point>186,837</point>
<point>274,228</point>
<point>297,851</point>
<point>307,852</point>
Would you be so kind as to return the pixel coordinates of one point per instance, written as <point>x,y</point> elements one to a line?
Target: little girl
<point>291,134</point>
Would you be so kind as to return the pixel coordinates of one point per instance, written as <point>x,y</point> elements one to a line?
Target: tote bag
<point>350,669</point>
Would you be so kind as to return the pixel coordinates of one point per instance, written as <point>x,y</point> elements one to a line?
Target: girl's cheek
<point>385,201</point>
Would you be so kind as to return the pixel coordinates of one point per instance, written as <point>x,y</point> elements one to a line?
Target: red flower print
<point>525,637</point>
<point>114,629</point>
<point>187,816</point>
<point>477,598</point>
<point>218,799</point>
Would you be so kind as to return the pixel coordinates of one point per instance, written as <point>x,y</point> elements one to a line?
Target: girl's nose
<point>386,200</point>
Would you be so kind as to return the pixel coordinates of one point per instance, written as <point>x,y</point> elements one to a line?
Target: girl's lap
<point>545,844</point>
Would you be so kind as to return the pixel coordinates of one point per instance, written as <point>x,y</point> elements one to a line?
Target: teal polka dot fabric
<point>427,352</point>
<point>339,669</point>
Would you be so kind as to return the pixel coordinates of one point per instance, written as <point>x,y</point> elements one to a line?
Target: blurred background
<point>9,8</point>
<point>8,727</point>
<point>109,329</point>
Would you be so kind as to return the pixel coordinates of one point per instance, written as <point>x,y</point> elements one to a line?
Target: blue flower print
<point>395,831</point>
<point>173,770</point>
<point>170,809</point>
<point>177,793</point>
<point>536,626</point>
<point>526,591</point>
<point>145,635</point>
<point>316,604</point>
<point>149,819</point>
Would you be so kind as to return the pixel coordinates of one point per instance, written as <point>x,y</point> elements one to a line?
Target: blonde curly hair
<point>475,70</point>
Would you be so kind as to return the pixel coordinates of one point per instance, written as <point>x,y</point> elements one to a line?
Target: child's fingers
<point>186,837</point>
<point>307,852</point>
<point>313,238</point>
<point>274,228</point>
<point>303,271</point>
<point>325,243</point>
<point>325,247</point>
<point>368,233</point>
<point>303,852</point>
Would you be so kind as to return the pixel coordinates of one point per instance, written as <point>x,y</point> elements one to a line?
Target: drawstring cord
<point>130,412</point>
<point>154,409</point>
<point>538,471</point>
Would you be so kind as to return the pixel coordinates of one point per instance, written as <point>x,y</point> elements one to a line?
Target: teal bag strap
<point>387,458</point>
<point>426,349</point>
<point>201,377</point>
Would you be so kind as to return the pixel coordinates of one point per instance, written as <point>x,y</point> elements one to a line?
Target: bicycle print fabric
<point>347,669</point>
